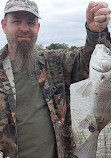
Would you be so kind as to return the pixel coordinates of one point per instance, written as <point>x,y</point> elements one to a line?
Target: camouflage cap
<point>21,5</point>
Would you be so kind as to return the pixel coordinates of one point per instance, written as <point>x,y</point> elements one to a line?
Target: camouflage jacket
<point>55,70</point>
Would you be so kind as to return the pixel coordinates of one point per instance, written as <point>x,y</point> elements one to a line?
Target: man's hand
<point>98,16</point>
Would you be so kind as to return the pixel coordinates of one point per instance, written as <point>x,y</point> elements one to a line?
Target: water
<point>79,109</point>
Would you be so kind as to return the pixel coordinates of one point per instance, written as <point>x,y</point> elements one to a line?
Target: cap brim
<point>15,9</point>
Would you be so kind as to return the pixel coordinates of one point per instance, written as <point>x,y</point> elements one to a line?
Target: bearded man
<point>35,119</point>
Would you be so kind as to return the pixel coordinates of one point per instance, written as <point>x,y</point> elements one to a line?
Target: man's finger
<point>99,6</point>
<point>102,11</point>
<point>102,18</point>
<point>91,5</point>
<point>101,25</point>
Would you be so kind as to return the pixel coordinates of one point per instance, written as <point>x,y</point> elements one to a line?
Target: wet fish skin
<point>98,89</point>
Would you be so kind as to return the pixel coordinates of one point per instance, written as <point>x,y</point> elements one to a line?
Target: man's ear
<point>38,26</point>
<point>3,23</point>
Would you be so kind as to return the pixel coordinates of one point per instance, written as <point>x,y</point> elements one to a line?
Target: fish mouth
<point>99,70</point>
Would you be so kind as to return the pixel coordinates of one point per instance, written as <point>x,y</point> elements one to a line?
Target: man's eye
<point>30,23</point>
<point>17,22</point>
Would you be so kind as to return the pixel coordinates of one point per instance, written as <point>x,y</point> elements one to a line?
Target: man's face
<point>21,27</point>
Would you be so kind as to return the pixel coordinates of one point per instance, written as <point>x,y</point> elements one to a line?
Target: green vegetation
<point>56,46</point>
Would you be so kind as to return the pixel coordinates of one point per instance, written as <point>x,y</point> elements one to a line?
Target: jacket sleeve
<point>76,63</point>
<point>7,140</point>
<point>7,128</point>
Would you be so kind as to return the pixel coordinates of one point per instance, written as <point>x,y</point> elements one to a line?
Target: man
<point>36,121</point>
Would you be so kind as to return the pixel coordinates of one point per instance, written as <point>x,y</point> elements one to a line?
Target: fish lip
<point>99,70</point>
<point>107,59</point>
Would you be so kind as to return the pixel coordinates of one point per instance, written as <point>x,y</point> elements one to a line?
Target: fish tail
<point>89,147</point>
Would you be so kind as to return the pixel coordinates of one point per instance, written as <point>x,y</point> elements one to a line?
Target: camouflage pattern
<point>7,115</point>
<point>55,71</point>
<point>21,5</point>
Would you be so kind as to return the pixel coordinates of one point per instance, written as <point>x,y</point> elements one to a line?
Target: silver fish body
<point>98,88</point>
<point>1,155</point>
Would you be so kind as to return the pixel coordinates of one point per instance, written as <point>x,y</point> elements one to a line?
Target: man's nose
<point>24,27</point>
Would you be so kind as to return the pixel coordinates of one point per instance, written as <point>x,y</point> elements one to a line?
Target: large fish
<point>98,88</point>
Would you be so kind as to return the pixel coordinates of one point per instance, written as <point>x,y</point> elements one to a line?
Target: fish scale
<point>98,88</point>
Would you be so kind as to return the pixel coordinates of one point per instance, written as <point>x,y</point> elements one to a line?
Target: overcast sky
<point>62,21</point>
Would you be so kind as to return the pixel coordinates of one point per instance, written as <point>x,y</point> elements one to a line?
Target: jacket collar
<point>4,52</point>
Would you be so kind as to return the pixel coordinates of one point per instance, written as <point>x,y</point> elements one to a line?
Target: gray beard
<point>25,56</point>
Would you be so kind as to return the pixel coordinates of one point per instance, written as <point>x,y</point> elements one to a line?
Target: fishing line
<point>99,38</point>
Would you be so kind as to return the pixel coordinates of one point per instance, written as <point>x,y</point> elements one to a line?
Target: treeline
<point>56,46</point>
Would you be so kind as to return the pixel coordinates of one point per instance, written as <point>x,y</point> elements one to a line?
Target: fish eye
<point>108,53</point>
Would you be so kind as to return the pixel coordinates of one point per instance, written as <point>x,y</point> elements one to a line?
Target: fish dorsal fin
<point>85,89</point>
